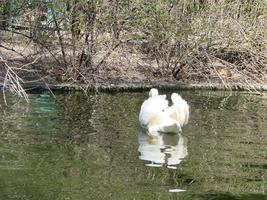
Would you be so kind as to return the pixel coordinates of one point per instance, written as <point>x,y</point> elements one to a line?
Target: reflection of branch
<point>224,101</point>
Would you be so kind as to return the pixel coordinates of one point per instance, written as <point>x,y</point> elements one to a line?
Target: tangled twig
<point>13,82</point>
<point>227,65</point>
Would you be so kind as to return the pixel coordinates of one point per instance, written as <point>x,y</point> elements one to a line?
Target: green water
<point>78,146</point>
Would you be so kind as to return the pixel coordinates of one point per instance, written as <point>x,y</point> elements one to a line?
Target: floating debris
<point>177,190</point>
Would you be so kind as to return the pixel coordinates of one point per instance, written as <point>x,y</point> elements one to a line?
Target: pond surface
<point>78,146</point>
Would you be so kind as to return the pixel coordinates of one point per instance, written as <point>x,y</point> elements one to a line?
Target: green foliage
<point>1,8</point>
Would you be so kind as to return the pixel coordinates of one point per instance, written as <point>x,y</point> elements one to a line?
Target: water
<point>78,146</point>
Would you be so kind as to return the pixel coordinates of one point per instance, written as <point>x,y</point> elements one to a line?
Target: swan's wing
<point>186,111</point>
<point>170,125</point>
<point>170,110</point>
<point>164,123</point>
<point>151,108</point>
<point>184,107</point>
<point>179,110</point>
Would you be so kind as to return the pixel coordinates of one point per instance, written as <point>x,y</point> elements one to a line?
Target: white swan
<point>153,116</point>
<point>179,111</point>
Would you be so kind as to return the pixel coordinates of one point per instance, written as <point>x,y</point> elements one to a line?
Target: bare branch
<point>11,49</point>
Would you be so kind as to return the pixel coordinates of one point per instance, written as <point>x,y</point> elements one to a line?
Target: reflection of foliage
<point>222,152</point>
<point>87,148</point>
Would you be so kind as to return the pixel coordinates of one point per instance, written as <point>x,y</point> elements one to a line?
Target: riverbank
<point>126,86</point>
<point>125,71</point>
<point>198,45</point>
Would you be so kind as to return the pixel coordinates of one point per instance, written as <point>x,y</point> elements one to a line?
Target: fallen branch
<point>12,82</point>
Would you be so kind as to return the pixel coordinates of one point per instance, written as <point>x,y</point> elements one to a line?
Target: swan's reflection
<point>160,149</point>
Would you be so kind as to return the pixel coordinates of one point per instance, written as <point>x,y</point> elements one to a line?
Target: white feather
<point>179,111</point>
<point>156,116</point>
<point>151,107</point>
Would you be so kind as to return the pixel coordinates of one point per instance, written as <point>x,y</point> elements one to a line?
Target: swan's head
<point>153,92</point>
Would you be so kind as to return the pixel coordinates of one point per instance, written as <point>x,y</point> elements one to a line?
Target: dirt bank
<point>127,69</point>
